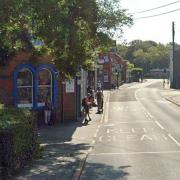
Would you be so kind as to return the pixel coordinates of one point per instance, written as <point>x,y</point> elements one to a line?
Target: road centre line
<point>172,138</point>
<point>159,125</point>
<point>144,109</point>
<point>136,153</point>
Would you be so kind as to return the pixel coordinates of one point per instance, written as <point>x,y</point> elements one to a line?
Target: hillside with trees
<point>146,54</point>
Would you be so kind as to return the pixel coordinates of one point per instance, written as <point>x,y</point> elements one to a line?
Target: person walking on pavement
<point>85,105</point>
<point>164,82</point>
<point>99,97</point>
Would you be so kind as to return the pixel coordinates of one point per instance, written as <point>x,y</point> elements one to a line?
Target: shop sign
<point>70,86</point>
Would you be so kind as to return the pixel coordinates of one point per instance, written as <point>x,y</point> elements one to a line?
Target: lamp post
<point>78,92</point>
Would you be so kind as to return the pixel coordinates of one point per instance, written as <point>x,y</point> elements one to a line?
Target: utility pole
<point>173,49</point>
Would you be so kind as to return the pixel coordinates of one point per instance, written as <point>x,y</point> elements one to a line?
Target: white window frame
<point>28,105</point>
<point>42,86</point>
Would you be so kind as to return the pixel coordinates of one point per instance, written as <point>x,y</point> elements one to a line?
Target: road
<point>138,138</point>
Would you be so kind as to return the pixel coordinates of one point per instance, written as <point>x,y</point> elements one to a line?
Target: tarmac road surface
<point>139,136</point>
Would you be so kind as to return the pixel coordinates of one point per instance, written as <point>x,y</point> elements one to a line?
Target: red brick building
<point>27,82</point>
<point>111,69</point>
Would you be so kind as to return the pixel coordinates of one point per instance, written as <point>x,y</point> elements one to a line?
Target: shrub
<point>18,138</point>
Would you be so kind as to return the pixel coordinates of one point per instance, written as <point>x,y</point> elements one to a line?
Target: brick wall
<point>6,87</point>
<point>6,93</point>
<point>69,106</point>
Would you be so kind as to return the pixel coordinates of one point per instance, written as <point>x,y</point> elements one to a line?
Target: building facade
<point>111,69</point>
<point>175,70</point>
<point>29,83</point>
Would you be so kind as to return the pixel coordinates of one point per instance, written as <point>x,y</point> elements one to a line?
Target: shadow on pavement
<point>59,161</point>
<point>104,172</point>
<point>62,152</point>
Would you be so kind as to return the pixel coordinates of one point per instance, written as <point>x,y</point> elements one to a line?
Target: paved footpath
<point>172,95</point>
<point>65,149</point>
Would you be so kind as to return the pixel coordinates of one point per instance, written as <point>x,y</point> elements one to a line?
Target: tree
<point>147,54</point>
<point>122,49</point>
<point>110,18</point>
<point>68,31</point>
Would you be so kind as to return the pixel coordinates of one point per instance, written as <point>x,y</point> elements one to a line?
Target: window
<point>44,91</point>
<point>25,88</point>
<point>33,86</point>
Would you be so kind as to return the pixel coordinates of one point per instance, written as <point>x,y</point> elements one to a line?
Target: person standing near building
<point>85,105</point>
<point>47,113</point>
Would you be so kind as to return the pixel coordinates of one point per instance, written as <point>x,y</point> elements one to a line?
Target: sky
<point>159,28</point>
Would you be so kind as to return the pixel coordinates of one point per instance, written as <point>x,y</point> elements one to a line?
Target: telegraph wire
<point>138,12</point>
<point>157,14</point>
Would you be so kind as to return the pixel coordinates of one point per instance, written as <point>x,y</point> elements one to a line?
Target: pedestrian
<point>99,97</point>
<point>164,82</point>
<point>85,105</point>
<point>47,113</point>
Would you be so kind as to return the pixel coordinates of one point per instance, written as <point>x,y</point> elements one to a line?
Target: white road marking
<point>144,129</point>
<point>90,149</point>
<point>105,110</point>
<point>114,138</point>
<point>134,122</point>
<point>164,136</point>
<point>150,115</point>
<point>106,114</point>
<point>102,117</point>
<point>163,102</point>
<point>109,138</point>
<point>136,153</point>
<point>100,138</point>
<point>159,125</point>
<point>117,108</point>
<point>109,125</point>
<point>133,130</point>
<point>172,138</point>
<point>145,136</point>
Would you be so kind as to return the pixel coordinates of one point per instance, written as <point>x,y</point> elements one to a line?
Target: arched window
<point>44,87</point>
<point>24,93</point>
<point>33,86</point>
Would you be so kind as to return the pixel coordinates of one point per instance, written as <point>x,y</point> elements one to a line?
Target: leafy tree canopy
<point>69,31</point>
<point>110,18</point>
<point>146,54</point>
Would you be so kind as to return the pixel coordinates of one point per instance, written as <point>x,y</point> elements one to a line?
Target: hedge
<point>18,139</point>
